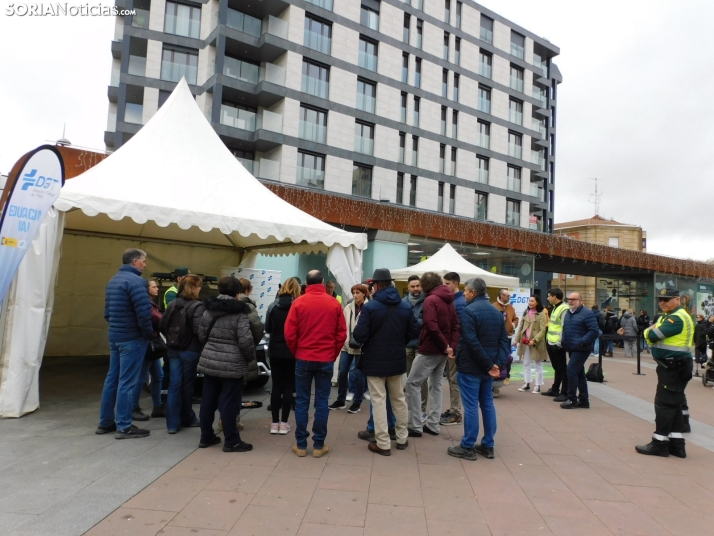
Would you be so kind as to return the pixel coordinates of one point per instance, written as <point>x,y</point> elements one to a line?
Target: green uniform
<point>672,340</point>
<point>170,295</point>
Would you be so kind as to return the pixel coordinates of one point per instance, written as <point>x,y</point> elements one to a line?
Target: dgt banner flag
<point>24,204</point>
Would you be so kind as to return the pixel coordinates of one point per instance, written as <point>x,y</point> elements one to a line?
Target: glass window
<point>518,45</point>
<point>459,9</point>
<point>486,29</point>
<point>420,32</point>
<point>313,124</point>
<point>452,199</point>
<point>514,179</point>
<point>418,4</point>
<point>403,110</point>
<point>361,181</point>
<point>513,212</point>
<point>324,4</point>
<point>515,111</point>
<point>369,18</point>
<point>405,68</point>
<point>483,165</point>
<point>367,54</point>
<point>179,63</point>
<point>457,78</point>
<point>444,83</point>
<point>486,61</point>
<point>613,242</point>
<point>311,170</point>
<point>440,198</point>
<point>457,51</point>
<point>142,14</point>
<point>446,46</point>
<point>515,145</point>
<point>412,190</point>
<point>400,188</point>
<point>366,95</point>
<point>405,30</point>
<point>415,151</point>
<point>447,11</point>
<point>315,79</point>
<point>516,78</point>
<point>244,23</point>
<point>455,124</point>
<point>484,99</point>
<point>442,158</point>
<point>163,95</point>
<point>481,206</point>
<point>364,138</point>
<point>443,120</point>
<point>182,19</point>
<point>241,70</point>
<point>318,35</point>
<point>402,146</point>
<point>246,158</point>
<point>417,72</point>
<point>238,116</point>
<point>484,134</point>
<point>453,160</point>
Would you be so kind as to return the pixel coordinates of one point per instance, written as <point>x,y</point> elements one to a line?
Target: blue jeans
<point>157,377</point>
<point>305,372</point>
<point>576,377</point>
<point>352,378</point>
<point>609,347</point>
<point>477,390</point>
<point>125,361</point>
<point>596,348</point>
<point>347,361</point>
<point>179,400</point>
<point>391,419</point>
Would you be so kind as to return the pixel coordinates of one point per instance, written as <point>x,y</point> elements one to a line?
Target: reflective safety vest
<point>555,325</point>
<point>172,288</point>
<point>682,342</point>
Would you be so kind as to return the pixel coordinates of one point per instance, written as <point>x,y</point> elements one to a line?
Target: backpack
<point>177,324</point>
<point>612,324</point>
<point>594,373</point>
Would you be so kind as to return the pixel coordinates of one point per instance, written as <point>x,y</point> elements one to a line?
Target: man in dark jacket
<point>127,309</point>
<point>453,414</point>
<point>415,300</point>
<point>579,333</point>
<point>385,326</point>
<point>438,339</point>
<point>483,349</point>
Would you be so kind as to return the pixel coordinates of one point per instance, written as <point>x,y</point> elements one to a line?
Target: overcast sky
<point>635,109</point>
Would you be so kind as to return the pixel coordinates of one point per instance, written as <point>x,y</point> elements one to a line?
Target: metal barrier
<point>615,337</point>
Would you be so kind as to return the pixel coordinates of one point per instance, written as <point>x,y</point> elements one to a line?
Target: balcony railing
<point>174,71</point>
<point>367,61</point>
<point>480,212</point>
<point>515,151</point>
<point>483,141</point>
<point>485,70</point>
<point>314,178</point>
<point>244,23</point>
<point>364,145</point>
<point>312,132</point>
<point>366,103</point>
<point>514,184</point>
<point>518,51</point>
<point>486,35</point>
<point>513,218</point>
<point>538,126</point>
<point>482,176</point>
<point>140,19</point>
<point>541,96</point>
<point>133,113</point>
<point>268,120</point>
<point>137,65</point>
<point>515,116</point>
<point>275,26</point>
<point>484,105</point>
<point>324,4</point>
<point>247,164</point>
<point>241,70</point>
<point>315,86</point>
<point>537,191</point>
<point>317,41</point>
<point>234,117</point>
<point>517,83</point>
<point>269,72</point>
<point>267,169</point>
<point>538,158</point>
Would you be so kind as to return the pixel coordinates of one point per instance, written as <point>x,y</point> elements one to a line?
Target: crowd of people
<point>400,348</point>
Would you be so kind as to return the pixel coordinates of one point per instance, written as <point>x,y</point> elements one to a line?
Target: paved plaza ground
<point>556,472</point>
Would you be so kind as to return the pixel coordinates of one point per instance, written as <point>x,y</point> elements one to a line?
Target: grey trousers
<point>425,367</point>
<point>411,355</point>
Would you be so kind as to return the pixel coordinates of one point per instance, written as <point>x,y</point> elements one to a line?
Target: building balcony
<point>312,178</point>
<point>116,49</point>
<point>137,65</point>
<point>364,145</point>
<point>133,113</point>
<point>140,19</point>
<point>312,132</point>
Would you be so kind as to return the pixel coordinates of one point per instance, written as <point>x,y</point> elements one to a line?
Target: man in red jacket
<point>438,340</point>
<point>315,332</point>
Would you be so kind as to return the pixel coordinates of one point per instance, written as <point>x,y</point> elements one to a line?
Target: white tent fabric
<point>447,259</point>
<point>25,320</point>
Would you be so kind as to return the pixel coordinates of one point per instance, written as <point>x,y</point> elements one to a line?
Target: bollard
<point>639,369</point>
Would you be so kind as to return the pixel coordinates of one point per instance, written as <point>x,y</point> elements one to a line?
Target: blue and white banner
<point>30,195</point>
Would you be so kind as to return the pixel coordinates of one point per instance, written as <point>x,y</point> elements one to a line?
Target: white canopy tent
<point>446,260</point>
<point>174,180</point>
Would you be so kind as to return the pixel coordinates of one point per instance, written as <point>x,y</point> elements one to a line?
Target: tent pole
<point>241,250</point>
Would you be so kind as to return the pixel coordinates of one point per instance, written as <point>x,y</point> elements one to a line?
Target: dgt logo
<point>515,298</point>
<point>31,179</point>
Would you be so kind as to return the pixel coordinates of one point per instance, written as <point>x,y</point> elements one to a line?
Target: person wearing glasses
<point>671,339</point>
<point>579,333</point>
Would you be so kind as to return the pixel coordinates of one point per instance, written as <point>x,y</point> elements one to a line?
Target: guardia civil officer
<point>671,339</point>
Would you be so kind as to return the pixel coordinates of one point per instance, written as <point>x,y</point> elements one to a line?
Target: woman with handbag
<point>531,342</point>
<point>351,351</point>
<point>155,351</point>
<point>628,327</point>
<point>183,360</point>
<point>282,361</point>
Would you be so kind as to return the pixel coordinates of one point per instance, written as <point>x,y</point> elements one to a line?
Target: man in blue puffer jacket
<point>580,330</point>
<point>127,309</point>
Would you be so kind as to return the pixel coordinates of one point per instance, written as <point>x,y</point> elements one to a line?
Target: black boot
<point>654,448</point>
<point>676,447</point>
<point>686,429</point>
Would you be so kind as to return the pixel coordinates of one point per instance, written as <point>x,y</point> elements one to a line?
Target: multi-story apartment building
<point>442,105</point>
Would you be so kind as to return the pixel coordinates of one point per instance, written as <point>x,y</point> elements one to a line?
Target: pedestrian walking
<point>579,333</point>
<point>531,343</point>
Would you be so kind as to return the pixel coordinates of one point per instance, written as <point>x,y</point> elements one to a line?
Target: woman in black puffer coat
<point>228,349</point>
<point>282,361</point>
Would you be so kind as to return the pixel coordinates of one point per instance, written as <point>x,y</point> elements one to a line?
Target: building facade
<point>440,105</point>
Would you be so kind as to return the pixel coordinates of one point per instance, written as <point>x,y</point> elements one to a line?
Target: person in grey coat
<point>229,347</point>
<point>629,322</point>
